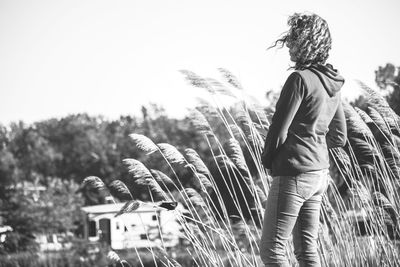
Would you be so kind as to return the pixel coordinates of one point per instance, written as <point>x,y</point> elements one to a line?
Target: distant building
<point>30,189</point>
<point>4,229</point>
<point>148,226</point>
<point>52,242</point>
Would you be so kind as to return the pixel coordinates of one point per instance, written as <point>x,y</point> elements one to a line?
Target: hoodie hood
<point>329,77</point>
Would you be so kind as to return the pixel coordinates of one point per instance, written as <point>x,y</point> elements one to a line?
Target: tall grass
<point>359,223</point>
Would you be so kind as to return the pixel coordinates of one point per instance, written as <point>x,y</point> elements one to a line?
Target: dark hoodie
<point>308,120</point>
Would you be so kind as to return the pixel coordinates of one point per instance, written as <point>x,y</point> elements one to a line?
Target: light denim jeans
<point>293,206</point>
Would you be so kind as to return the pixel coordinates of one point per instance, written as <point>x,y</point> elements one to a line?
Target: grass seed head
<point>144,143</point>
<point>171,153</point>
<point>113,257</point>
<point>194,159</point>
<point>137,169</point>
<point>95,182</point>
<point>120,190</point>
<point>129,206</point>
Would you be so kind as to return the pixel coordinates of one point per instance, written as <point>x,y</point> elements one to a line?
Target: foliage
<point>82,254</point>
<point>19,241</point>
<point>54,210</point>
<point>79,145</point>
<point>388,79</point>
<point>22,259</point>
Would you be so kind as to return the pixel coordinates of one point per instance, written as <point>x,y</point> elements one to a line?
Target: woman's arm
<point>337,134</point>
<point>288,103</point>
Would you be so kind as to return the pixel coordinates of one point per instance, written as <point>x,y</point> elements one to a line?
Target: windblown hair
<point>310,34</point>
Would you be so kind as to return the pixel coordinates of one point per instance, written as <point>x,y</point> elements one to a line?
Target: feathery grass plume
<point>137,169</point>
<point>194,159</point>
<point>171,153</point>
<point>260,129</point>
<point>161,177</point>
<point>129,206</point>
<point>224,162</point>
<point>244,121</point>
<point>113,257</point>
<point>200,122</point>
<point>236,131</point>
<point>95,182</point>
<point>230,78</point>
<point>220,88</point>
<point>386,139</point>
<point>235,153</point>
<point>381,201</point>
<point>260,112</point>
<point>205,182</point>
<point>203,179</point>
<point>361,192</point>
<point>190,167</point>
<point>240,114</point>
<point>380,122</point>
<point>343,162</point>
<point>144,143</point>
<point>392,158</point>
<point>375,98</point>
<point>194,197</point>
<point>355,125</point>
<point>359,136</point>
<point>144,177</point>
<point>377,101</point>
<point>258,135</point>
<point>384,227</point>
<point>206,107</point>
<point>343,156</point>
<point>197,81</point>
<point>364,116</point>
<point>119,190</point>
<point>156,189</point>
<point>365,152</point>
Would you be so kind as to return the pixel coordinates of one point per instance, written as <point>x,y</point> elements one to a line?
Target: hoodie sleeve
<point>288,103</point>
<point>337,134</point>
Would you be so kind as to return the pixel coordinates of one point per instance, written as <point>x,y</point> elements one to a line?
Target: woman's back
<point>310,100</point>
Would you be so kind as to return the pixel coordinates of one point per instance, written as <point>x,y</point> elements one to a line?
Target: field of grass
<point>359,223</point>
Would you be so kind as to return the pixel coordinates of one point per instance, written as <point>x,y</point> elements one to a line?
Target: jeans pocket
<point>311,183</point>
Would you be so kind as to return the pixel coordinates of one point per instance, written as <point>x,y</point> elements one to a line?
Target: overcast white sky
<point>111,57</point>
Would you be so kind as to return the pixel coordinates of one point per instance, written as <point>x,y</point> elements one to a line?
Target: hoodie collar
<point>329,77</point>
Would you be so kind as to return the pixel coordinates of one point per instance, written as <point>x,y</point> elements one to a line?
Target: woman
<point>308,120</point>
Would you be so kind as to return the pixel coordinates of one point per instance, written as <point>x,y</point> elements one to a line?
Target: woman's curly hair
<point>310,34</point>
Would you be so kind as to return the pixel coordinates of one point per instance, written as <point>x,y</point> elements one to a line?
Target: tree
<point>388,79</point>
<point>53,210</point>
